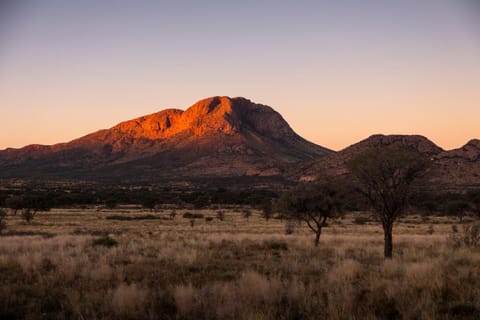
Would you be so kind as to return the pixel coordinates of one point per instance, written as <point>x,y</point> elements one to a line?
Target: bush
<point>189,215</point>
<point>105,241</point>
<point>3,225</point>
<point>111,203</point>
<point>220,215</point>
<point>290,227</point>
<point>360,220</point>
<point>430,229</point>
<point>472,235</point>
<point>28,215</point>
<point>246,213</point>
<point>469,237</point>
<point>276,244</point>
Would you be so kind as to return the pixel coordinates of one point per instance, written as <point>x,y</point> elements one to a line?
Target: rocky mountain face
<point>218,136</point>
<point>458,167</point>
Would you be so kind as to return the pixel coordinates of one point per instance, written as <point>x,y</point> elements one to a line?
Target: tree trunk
<point>388,249</point>
<point>317,236</point>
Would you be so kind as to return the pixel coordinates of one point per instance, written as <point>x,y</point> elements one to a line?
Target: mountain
<point>218,136</point>
<point>459,167</point>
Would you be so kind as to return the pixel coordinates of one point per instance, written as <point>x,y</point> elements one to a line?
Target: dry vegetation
<point>91,264</point>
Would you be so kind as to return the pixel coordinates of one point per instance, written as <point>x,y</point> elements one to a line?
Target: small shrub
<point>208,219</point>
<point>27,215</point>
<point>189,215</point>
<point>173,214</point>
<point>430,229</point>
<point>111,203</point>
<point>192,223</point>
<point>247,213</point>
<point>360,220</point>
<point>105,241</point>
<point>469,237</point>
<point>276,245</point>
<point>425,219</point>
<point>472,235</point>
<point>3,225</point>
<point>454,228</point>
<point>221,215</point>
<point>289,227</point>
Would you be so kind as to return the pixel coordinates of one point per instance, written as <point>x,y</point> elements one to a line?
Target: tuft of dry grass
<point>128,300</point>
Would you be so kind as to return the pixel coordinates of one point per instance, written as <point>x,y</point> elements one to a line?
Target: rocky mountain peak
<point>211,115</point>
<point>414,142</point>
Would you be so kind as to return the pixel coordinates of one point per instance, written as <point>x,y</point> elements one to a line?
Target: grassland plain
<point>131,264</point>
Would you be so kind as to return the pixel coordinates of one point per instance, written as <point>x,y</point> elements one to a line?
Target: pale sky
<point>338,71</point>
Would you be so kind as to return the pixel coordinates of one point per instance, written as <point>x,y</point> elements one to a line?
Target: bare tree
<point>386,177</point>
<point>313,204</point>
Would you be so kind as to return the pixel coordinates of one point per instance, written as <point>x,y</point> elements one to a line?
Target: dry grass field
<point>132,264</point>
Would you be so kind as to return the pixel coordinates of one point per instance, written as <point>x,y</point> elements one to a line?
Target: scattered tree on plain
<point>14,203</point>
<point>386,177</point>
<point>220,215</point>
<point>111,203</point>
<point>247,213</point>
<point>266,209</point>
<point>30,205</point>
<point>313,204</point>
<point>149,203</point>
<point>458,208</point>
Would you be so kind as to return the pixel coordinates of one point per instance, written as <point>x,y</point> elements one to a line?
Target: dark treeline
<point>424,202</point>
<point>447,203</point>
<point>146,197</point>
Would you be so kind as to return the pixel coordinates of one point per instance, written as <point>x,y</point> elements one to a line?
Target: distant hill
<point>459,167</point>
<point>215,137</point>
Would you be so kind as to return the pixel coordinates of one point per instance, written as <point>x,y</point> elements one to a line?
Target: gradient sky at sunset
<point>338,71</point>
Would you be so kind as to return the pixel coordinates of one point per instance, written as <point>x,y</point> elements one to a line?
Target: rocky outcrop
<point>469,152</point>
<point>459,166</point>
